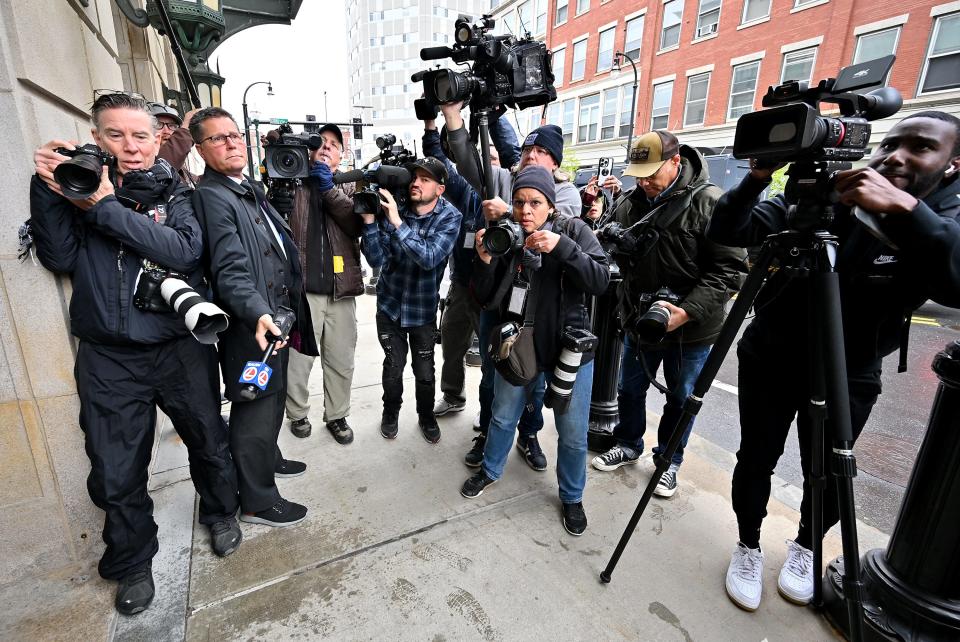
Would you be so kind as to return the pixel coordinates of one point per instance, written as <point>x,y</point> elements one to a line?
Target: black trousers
<point>771,394</point>
<point>254,429</point>
<point>394,340</point>
<point>120,388</point>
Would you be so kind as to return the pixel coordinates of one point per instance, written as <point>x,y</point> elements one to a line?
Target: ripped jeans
<point>394,341</point>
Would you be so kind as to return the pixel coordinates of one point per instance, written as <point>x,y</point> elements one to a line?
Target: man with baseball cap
<point>665,248</point>
<point>327,233</point>
<point>175,140</point>
<point>411,245</point>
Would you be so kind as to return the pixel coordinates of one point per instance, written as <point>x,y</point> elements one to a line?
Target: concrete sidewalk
<point>390,550</point>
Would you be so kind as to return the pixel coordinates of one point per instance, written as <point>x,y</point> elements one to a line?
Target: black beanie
<point>550,138</point>
<point>538,178</point>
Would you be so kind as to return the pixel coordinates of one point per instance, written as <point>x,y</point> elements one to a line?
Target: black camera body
<point>578,340</point>
<point>651,324</point>
<point>505,71</point>
<point>79,177</point>
<point>289,158</point>
<point>503,236</point>
<point>575,342</point>
<point>366,199</point>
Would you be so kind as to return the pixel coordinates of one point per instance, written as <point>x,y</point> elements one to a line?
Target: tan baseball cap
<point>649,152</point>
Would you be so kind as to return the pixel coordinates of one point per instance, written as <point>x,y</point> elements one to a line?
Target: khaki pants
<point>335,327</point>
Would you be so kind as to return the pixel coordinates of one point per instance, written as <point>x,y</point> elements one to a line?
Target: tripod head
<point>811,194</point>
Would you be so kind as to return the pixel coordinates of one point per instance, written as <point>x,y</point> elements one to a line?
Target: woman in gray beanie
<point>560,265</point>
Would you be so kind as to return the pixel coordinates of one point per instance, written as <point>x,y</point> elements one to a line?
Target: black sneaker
<point>475,457</point>
<point>613,459</point>
<point>289,468</point>
<point>429,428</point>
<point>301,428</point>
<point>135,592</point>
<point>388,425</point>
<point>283,513</point>
<point>474,486</point>
<point>340,430</point>
<point>529,447</point>
<point>225,537</point>
<point>574,519</point>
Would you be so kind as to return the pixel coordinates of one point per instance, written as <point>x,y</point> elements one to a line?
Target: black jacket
<point>878,284</point>
<point>683,259</point>
<point>249,274</point>
<point>574,270</point>
<point>102,249</point>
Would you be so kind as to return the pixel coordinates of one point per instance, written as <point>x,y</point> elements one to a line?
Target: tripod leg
<point>816,478</point>
<point>843,464</point>
<point>728,333</point>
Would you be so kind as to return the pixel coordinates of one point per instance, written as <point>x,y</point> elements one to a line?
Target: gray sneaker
<point>613,459</point>
<point>667,485</point>
<point>443,407</point>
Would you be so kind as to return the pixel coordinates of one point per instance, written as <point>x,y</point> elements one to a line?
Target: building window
<point>608,124</point>
<point>696,108</point>
<point>798,65</point>
<point>582,5</point>
<point>579,60</point>
<point>525,11</point>
<point>743,88</point>
<point>942,67</point>
<point>441,12</point>
<point>567,126</point>
<point>634,35</point>
<point>605,53</point>
<point>540,17</point>
<point>800,3</point>
<point>708,18</point>
<point>877,44</point>
<point>626,110</point>
<point>589,121</point>
<point>672,16</point>
<point>553,114</point>
<point>559,62</point>
<point>755,10</point>
<point>660,114</point>
<point>561,16</point>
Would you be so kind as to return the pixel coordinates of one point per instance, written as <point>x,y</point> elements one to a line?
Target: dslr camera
<point>79,177</point>
<point>505,70</point>
<point>649,324</point>
<point>503,236</point>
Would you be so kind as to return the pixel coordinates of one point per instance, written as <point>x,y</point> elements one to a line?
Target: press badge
<point>517,296</point>
<point>468,240</point>
<point>337,264</point>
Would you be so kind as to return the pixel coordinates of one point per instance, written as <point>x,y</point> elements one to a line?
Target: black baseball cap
<point>432,166</point>
<point>333,129</point>
<point>159,109</point>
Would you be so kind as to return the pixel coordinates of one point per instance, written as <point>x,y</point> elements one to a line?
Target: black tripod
<point>809,252</point>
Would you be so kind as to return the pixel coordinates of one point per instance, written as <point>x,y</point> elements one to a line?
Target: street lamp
<point>246,123</point>
<point>618,60</point>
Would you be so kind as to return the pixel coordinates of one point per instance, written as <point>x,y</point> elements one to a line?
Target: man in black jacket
<point>911,192</point>
<point>255,270</point>
<point>669,209</point>
<point>131,360</point>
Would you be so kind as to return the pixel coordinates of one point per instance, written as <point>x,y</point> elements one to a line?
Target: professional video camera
<point>505,71</point>
<point>366,199</point>
<point>794,131</point>
<point>289,157</point>
<point>393,153</point>
<point>79,177</point>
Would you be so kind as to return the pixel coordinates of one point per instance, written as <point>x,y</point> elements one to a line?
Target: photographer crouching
<point>911,192</point>
<point>541,290</point>
<point>676,283</point>
<point>117,239</point>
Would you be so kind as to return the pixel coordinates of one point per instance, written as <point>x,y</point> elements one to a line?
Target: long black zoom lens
<point>79,177</point>
<point>561,383</point>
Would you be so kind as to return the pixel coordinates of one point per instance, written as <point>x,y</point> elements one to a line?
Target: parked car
<point>725,172</point>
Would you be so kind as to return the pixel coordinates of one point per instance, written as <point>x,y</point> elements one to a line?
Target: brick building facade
<point>702,63</point>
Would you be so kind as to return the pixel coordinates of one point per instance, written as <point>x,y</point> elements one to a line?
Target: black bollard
<point>912,590</point>
<point>606,369</point>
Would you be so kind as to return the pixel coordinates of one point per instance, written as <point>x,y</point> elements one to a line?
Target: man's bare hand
<point>390,207</point>
<point>874,193</point>
<point>45,161</point>
<point>494,209</point>
<point>678,316</point>
<point>452,116</point>
<point>481,250</point>
<point>104,190</point>
<point>763,173</point>
<point>265,324</point>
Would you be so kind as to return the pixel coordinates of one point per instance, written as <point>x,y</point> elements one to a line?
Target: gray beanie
<point>538,178</point>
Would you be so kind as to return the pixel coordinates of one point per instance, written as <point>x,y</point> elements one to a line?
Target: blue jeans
<point>531,421</point>
<point>508,403</point>
<point>681,366</point>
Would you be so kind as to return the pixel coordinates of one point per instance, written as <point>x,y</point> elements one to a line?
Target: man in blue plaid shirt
<point>411,247</point>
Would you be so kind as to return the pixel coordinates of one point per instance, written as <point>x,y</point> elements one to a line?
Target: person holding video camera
<point>132,359</point>
<point>255,269</point>
<point>326,232</point>
<point>541,289</point>
<point>911,191</point>
<point>411,246</point>
<point>676,283</point>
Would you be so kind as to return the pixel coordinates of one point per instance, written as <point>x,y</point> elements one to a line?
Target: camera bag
<point>514,356</point>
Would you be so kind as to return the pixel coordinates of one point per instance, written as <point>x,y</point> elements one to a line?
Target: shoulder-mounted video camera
<point>505,70</point>
<point>79,177</point>
<point>366,200</point>
<point>288,158</point>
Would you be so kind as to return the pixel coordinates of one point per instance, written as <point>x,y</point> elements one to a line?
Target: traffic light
<point>314,128</point>
<point>357,128</point>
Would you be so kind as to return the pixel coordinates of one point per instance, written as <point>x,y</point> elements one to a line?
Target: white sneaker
<point>476,421</point>
<point>443,407</point>
<point>744,577</point>
<point>796,577</point>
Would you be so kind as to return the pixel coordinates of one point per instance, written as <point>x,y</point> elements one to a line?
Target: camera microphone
<point>349,177</point>
<point>435,53</point>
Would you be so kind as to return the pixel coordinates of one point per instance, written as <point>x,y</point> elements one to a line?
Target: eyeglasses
<point>220,140</point>
<point>170,126</point>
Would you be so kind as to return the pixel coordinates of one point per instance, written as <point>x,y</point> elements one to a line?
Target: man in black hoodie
<point>911,192</point>
<point>131,359</point>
